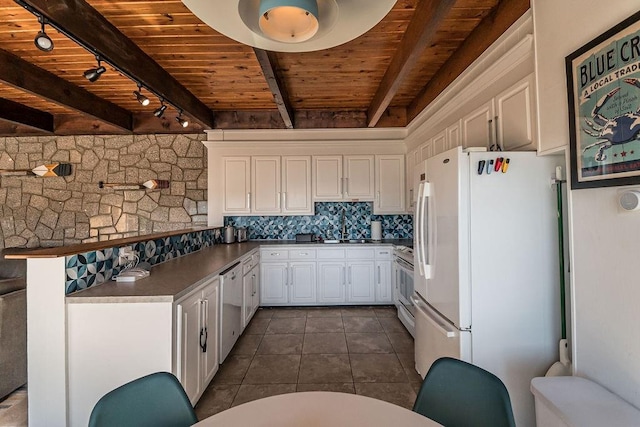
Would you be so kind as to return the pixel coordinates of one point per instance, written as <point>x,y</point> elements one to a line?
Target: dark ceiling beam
<point>421,30</point>
<point>269,64</point>
<point>304,119</point>
<point>19,114</point>
<point>25,76</point>
<point>488,31</point>
<point>88,27</point>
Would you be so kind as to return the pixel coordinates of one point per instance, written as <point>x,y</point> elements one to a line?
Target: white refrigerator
<point>486,267</point>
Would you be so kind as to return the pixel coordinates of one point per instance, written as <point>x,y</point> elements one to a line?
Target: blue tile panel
<point>326,222</point>
<point>91,268</point>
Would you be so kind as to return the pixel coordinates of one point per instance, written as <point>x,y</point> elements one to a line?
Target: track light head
<point>42,40</point>
<point>140,97</point>
<point>93,74</point>
<point>183,122</point>
<point>159,112</point>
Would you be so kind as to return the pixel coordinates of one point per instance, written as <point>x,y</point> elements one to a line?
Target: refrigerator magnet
<point>505,166</point>
<point>498,164</point>
<point>489,166</point>
<point>480,167</point>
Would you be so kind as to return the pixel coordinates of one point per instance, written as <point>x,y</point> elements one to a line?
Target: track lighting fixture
<point>93,74</point>
<point>183,122</point>
<point>140,97</point>
<point>159,112</point>
<point>42,40</point>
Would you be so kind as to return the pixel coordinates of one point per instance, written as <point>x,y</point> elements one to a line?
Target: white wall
<point>605,241</point>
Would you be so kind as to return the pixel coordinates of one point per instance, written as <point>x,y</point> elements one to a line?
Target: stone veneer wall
<point>57,211</point>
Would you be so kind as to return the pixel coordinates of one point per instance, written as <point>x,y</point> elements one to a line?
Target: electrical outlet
<point>126,252</point>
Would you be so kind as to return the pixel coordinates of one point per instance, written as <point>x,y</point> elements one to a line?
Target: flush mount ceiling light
<point>314,28</point>
<point>289,21</point>
<point>93,74</point>
<point>140,97</point>
<point>42,40</point>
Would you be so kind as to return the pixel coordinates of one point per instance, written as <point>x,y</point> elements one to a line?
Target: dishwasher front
<point>230,309</point>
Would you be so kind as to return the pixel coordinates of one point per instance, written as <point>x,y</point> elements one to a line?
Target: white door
<point>236,185</point>
<point>265,185</point>
<point>303,282</point>
<point>274,286</point>
<point>447,230</point>
<point>516,116</point>
<point>327,178</point>
<point>390,180</point>
<point>384,282</point>
<point>361,281</point>
<point>477,127</point>
<point>436,338</point>
<point>331,282</point>
<point>247,298</point>
<point>190,314</point>
<point>209,340</point>
<point>359,177</point>
<point>296,185</point>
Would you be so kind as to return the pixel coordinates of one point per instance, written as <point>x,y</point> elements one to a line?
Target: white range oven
<point>403,268</point>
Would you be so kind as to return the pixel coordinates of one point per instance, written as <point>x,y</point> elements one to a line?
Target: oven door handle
<point>404,265</point>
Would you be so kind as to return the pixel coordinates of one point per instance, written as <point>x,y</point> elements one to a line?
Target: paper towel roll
<point>376,230</point>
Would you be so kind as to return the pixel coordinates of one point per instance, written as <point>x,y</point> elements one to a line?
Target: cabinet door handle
<point>284,200</point>
<point>350,276</point>
<point>249,201</point>
<point>497,142</point>
<point>346,191</point>
<point>379,275</point>
<point>275,253</point>
<point>304,253</point>
<point>384,253</point>
<point>344,276</point>
<point>253,284</point>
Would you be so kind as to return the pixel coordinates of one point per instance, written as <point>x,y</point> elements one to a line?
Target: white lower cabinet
<point>361,281</point>
<point>275,279</point>
<point>384,285</point>
<point>331,282</point>
<point>302,282</point>
<point>250,287</point>
<point>197,343</point>
<point>288,283</point>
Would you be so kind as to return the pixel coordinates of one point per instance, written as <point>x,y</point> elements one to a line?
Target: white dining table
<point>318,409</point>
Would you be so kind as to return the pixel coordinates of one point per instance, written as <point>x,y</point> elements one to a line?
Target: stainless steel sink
<point>349,241</point>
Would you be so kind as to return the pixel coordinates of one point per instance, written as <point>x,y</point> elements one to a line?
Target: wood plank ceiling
<point>383,78</point>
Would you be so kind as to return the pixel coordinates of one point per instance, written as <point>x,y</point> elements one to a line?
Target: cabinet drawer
<point>331,253</point>
<point>384,253</point>
<point>273,254</point>
<point>302,253</point>
<point>247,265</point>
<point>360,253</point>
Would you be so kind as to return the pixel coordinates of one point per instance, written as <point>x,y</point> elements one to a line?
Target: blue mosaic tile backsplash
<point>326,223</point>
<point>91,268</point>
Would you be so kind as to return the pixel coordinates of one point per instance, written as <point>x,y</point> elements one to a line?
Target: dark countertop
<point>173,279</point>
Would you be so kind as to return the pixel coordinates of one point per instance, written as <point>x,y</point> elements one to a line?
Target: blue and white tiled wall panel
<point>91,268</point>
<point>326,223</point>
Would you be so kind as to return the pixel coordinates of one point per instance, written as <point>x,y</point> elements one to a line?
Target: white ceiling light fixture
<point>330,23</point>
<point>289,21</point>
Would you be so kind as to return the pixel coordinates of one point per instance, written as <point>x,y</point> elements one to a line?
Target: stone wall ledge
<point>61,251</point>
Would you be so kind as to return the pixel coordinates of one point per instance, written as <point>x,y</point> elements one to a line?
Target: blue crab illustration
<point>618,130</point>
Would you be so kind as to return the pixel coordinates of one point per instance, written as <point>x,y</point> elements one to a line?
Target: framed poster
<point>603,83</point>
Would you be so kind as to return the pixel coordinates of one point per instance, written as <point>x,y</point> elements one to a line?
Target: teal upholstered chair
<point>155,400</point>
<point>458,394</point>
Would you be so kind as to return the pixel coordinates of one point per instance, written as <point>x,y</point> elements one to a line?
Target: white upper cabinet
<point>411,190</point>
<point>342,178</point>
<point>477,127</point>
<point>359,177</point>
<point>515,110</point>
<point>237,185</point>
<point>453,135</point>
<point>296,185</point>
<point>439,143</point>
<point>389,182</point>
<point>265,185</point>
<point>327,178</point>
<point>426,150</point>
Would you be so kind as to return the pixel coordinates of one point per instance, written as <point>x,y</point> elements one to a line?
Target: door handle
<point>350,276</point>
<point>284,200</point>
<point>379,276</point>
<point>249,201</point>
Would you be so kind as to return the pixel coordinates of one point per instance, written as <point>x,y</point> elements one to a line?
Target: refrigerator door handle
<point>418,226</point>
<point>426,250</point>
<point>441,326</point>
<point>432,234</point>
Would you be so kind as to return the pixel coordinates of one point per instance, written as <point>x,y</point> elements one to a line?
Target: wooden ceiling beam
<point>19,114</point>
<point>421,30</point>
<point>269,64</point>
<point>25,76</point>
<point>87,26</point>
<point>488,31</point>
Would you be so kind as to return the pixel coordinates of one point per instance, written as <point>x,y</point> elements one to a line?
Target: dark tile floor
<point>363,350</point>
